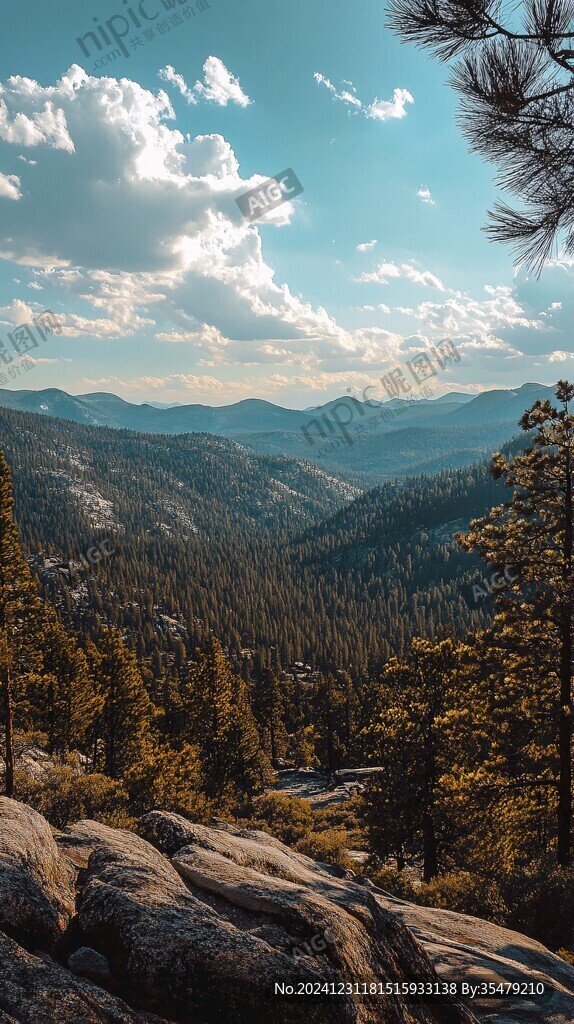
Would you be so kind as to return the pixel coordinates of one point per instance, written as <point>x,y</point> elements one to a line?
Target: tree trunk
<point>430,846</point>
<point>565,754</point>
<point>8,731</point>
<point>565,723</point>
<point>273,740</point>
<point>430,853</point>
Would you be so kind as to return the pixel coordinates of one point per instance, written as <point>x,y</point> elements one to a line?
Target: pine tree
<point>221,724</point>
<point>329,717</point>
<point>270,714</point>
<point>425,729</point>
<point>123,725</point>
<point>335,709</point>
<point>532,535</point>
<point>64,701</point>
<point>515,74</point>
<point>19,612</point>
<point>251,768</point>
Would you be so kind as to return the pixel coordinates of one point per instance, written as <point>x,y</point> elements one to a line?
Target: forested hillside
<point>208,536</point>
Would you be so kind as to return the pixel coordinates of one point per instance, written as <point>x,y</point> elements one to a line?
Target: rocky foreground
<point>195,925</point>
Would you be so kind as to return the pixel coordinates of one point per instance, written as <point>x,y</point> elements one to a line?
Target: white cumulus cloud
<point>151,237</point>
<point>37,120</point>
<point>10,186</point>
<point>386,110</point>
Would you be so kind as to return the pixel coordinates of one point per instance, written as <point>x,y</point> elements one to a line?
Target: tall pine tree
<point>270,714</point>
<point>19,616</point>
<point>532,534</point>
<point>425,732</point>
<point>220,722</point>
<point>123,726</point>
<point>63,700</point>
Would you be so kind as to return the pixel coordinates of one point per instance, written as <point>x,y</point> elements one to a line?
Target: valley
<point>264,550</point>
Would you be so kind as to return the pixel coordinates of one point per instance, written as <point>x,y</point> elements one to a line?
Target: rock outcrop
<point>321,790</point>
<point>475,951</point>
<point>36,881</point>
<point>195,925</point>
<point>37,990</point>
<point>207,933</point>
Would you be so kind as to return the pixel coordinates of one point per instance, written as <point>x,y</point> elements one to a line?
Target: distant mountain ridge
<point>363,441</point>
<point>108,410</point>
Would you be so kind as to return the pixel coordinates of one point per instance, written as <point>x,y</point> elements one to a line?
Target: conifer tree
<point>65,701</point>
<point>269,713</point>
<point>19,612</point>
<point>425,729</point>
<point>251,768</point>
<point>335,712</point>
<point>515,74</point>
<point>221,724</point>
<point>532,534</point>
<point>124,722</point>
<point>351,712</point>
<point>329,718</point>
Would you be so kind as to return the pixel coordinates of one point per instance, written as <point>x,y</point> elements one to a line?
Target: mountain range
<point>362,442</point>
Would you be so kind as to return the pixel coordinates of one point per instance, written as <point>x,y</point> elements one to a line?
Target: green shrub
<point>344,815</point>
<point>63,797</point>
<point>541,901</point>
<point>397,883</point>
<point>169,780</point>
<point>465,894</point>
<point>329,847</point>
<point>287,817</point>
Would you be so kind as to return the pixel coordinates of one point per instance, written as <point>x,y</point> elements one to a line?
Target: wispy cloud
<point>385,272</point>
<point>424,193</point>
<point>365,246</point>
<point>346,95</point>
<point>381,308</point>
<point>169,75</point>
<point>218,86</point>
<point>378,110</point>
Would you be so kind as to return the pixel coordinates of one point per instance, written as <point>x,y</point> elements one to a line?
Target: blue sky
<point>117,209</point>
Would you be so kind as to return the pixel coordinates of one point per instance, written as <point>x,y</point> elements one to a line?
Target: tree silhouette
<point>515,74</point>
